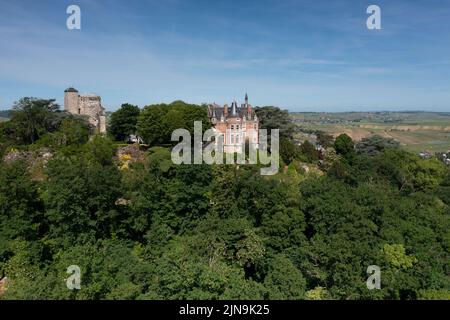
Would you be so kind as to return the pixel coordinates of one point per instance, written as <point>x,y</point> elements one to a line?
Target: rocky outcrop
<point>35,160</point>
<point>3,285</point>
<point>43,155</point>
<point>131,152</point>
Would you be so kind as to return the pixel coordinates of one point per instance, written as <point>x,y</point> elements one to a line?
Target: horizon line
<point>291,111</point>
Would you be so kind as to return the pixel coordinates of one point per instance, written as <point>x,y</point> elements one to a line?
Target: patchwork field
<point>416,131</point>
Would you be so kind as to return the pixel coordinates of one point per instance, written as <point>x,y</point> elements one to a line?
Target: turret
<point>71,100</point>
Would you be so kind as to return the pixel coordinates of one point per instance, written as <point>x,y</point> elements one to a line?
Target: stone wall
<point>89,105</point>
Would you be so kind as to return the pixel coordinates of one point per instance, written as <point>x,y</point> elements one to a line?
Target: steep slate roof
<point>216,111</point>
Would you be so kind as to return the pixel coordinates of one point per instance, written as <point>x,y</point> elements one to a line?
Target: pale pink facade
<point>235,125</point>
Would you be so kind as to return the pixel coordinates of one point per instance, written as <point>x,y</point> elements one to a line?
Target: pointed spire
<point>233,110</point>
<point>246,98</point>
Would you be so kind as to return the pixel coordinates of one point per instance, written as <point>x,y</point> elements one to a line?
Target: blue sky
<point>300,55</point>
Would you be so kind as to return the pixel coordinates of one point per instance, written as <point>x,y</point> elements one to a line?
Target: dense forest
<point>141,227</point>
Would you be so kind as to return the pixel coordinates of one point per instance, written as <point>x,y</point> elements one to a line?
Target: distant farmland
<point>4,115</point>
<point>416,131</point>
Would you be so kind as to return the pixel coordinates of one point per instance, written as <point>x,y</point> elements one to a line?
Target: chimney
<point>225,110</point>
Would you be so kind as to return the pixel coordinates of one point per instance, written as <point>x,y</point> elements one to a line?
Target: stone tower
<point>89,105</point>
<point>71,101</point>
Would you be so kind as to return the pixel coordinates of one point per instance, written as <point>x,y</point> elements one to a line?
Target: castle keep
<point>235,124</point>
<point>86,104</point>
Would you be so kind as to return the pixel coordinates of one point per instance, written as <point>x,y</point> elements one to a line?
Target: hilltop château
<point>86,104</point>
<point>235,124</point>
